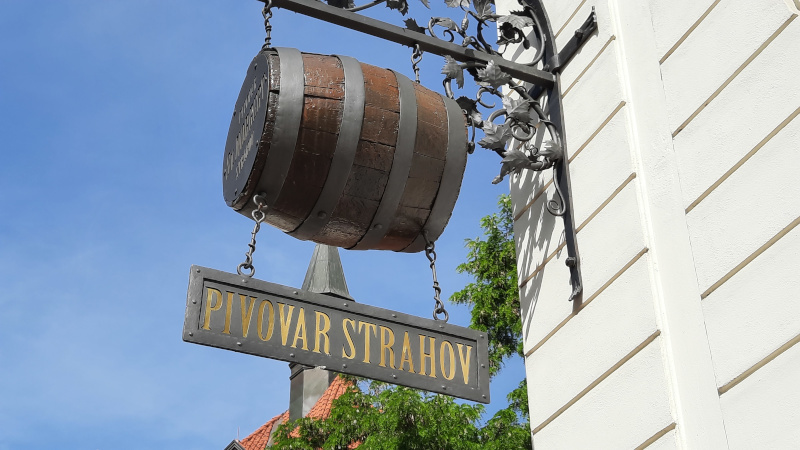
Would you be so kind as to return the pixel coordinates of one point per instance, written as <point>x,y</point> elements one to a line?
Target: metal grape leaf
<point>400,5</point>
<point>445,22</point>
<point>516,20</point>
<point>550,150</point>
<point>495,136</point>
<point>513,161</point>
<point>493,76</point>
<point>426,3</point>
<point>470,107</point>
<point>518,109</point>
<point>453,71</point>
<point>483,8</point>
<point>457,3</point>
<point>412,25</point>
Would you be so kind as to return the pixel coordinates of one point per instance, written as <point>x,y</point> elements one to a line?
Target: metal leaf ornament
<point>550,150</point>
<point>517,109</point>
<point>400,5</point>
<point>483,9</point>
<point>513,161</point>
<point>457,3</point>
<point>470,107</point>
<point>453,71</point>
<point>495,136</point>
<point>517,20</point>
<point>412,25</point>
<point>492,76</point>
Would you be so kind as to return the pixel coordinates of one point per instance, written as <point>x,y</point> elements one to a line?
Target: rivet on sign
<point>322,214</point>
<point>481,335</point>
<point>344,366</point>
<point>197,270</point>
<point>394,376</point>
<point>194,301</point>
<point>483,365</point>
<point>444,387</point>
<point>244,281</point>
<point>191,334</point>
<point>345,304</point>
<point>483,395</point>
<point>394,315</point>
<point>291,355</point>
<point>295,292</point>
<point>239,344</point>
<point>441,326</point>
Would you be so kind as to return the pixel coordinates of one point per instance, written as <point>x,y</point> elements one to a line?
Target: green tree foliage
<point>494,295</point>
<point>387,417</point>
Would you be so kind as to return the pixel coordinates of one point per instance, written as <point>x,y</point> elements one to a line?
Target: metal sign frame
<point>216,301</point>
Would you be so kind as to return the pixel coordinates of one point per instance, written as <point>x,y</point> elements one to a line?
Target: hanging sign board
<point>264,319</point>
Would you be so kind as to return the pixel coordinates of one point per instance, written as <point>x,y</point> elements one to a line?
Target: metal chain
<point>416,57</point>
<point>267,13</point>
<point>258,215</point>
<point>430,253</point>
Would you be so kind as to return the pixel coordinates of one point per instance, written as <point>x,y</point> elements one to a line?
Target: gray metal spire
<point>325,274</point>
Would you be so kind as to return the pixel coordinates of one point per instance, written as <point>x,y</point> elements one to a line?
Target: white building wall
<point>684,141</point>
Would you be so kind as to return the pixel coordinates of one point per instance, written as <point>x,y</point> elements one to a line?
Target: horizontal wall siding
<point>715,50</point>
<point>762,412</point>
<point>756,103</point>
<point>673,20</point>
<point>603,255</point>
<point>756,311</point>
<point>586,347</point>
<point>753,205</point>
<point>622,411</point>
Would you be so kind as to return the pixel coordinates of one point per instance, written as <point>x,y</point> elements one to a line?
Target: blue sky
<point>113,118</point>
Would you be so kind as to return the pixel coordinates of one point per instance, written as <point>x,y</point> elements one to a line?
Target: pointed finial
<point>325,273</point>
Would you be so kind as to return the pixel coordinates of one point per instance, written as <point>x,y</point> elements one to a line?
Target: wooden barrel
<point>347,154</point>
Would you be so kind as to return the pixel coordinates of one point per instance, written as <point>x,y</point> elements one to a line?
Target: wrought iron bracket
<point>529,113</point>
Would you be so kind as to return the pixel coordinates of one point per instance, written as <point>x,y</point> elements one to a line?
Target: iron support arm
<point>403,36</point>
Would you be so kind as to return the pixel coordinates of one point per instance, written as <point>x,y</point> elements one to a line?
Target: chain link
<point>430,253</point>
<point>267,13</point>
<point>258,215</point>
<point>416,58</point>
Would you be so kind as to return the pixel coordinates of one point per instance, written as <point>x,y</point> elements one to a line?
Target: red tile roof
<point>321,410</point>
<point>259,438</point>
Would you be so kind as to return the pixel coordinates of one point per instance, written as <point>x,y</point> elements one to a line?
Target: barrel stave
<point>421,188</point>
<point>323,80</point>
<point>367,179</point>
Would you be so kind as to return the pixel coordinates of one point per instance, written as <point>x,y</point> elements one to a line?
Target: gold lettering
<point>322,332</point>
<point>300,331</point>
<point>228,307</point>
<point>452,357</point>
<point>430,356</point>
<point>286,322</point>
<point>248,315</point>
<point>406,354</point>
<point>387,341</point>
<point>368,326</point>
<point>270,320</point>
<point>349,339</point>
<point>211,306</point>
<point>464,361</point>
